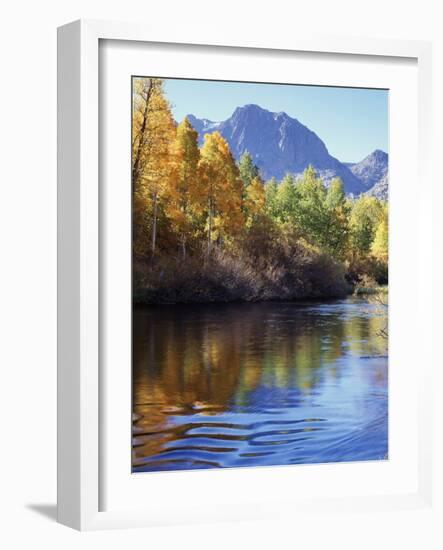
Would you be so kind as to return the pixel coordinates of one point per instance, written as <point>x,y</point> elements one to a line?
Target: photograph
<point>221,294</point>
<point>259,274</point>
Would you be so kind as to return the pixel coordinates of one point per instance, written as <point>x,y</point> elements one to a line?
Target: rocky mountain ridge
<point>280,144</point>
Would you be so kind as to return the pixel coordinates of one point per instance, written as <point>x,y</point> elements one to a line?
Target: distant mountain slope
<point>280,144</point>
<point>372,170</point>
<point>380,189</point>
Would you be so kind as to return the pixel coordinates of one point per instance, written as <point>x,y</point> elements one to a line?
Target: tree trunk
<point>184,246</point>
<point>209,227</point>
<point>154,225</point>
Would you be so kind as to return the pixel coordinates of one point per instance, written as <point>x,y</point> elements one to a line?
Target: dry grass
<point>281,270</point>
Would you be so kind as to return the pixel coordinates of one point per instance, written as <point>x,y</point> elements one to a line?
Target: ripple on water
<point>206,444</point>
<point>258,384</point>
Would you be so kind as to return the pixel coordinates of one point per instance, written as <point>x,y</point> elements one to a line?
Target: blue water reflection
<point>259,384</point>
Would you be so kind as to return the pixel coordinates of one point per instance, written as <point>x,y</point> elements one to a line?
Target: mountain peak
<point>248,111</point>
<point>254,109</point>
<point>379,155</point>
<point>203,125</point>
<point>251,107</point>
<point>280,144</point>
<point>372,170</point>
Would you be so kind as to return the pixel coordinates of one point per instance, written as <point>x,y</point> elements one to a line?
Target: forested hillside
<point>208,228</point>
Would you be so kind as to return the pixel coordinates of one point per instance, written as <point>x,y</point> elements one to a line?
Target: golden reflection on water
<point>208,361</point>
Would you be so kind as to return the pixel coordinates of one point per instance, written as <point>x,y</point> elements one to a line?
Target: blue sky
<point>352,122</point>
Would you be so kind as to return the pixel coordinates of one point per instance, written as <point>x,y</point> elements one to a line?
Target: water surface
<point>259,384</point>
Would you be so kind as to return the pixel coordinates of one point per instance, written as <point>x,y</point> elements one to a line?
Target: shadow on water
<point>232,385</point>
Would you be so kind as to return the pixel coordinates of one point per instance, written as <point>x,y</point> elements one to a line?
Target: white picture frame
<point>81,394</point>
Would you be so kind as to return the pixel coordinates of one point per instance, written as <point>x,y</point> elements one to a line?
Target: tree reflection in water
<point>258,384</point>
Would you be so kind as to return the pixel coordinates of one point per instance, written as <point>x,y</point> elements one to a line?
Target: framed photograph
<point>239,225</point>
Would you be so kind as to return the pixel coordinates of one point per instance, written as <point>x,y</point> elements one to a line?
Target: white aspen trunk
<point>210,227</point>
